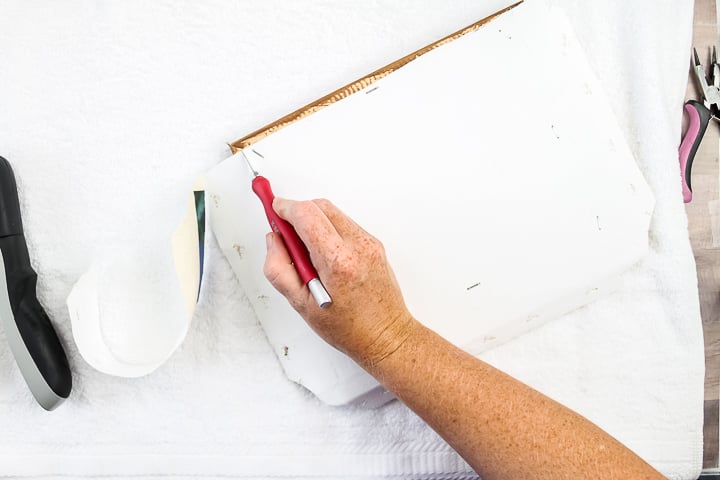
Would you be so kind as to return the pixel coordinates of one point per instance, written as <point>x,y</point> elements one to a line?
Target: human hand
<point>367,319</point>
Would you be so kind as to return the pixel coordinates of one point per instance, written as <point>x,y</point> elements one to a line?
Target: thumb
<point>281,273</point>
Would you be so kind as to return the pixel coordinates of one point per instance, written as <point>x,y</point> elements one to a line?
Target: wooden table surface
<point>705,176</point>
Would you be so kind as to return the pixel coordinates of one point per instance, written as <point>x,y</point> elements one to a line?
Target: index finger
<point>344,225</point>
<point>312,226</point>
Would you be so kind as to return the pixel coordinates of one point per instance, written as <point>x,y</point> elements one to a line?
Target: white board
<point>492,169</point>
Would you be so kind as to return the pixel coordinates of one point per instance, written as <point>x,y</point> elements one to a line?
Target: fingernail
<point>269,241</point>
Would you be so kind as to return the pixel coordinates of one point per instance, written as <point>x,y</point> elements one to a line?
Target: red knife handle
<point>296,248</point>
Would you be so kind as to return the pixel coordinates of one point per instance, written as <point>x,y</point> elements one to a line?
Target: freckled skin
<point>502,428</point>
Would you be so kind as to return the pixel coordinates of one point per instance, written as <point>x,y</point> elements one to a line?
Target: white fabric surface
<point>110,111</point>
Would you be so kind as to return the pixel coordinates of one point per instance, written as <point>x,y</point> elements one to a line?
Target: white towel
<point>111,110</point>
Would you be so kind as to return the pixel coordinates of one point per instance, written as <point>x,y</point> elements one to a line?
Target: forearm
<point>503,428</point>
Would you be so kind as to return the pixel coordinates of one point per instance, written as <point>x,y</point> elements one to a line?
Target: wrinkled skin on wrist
<point>367,319</point>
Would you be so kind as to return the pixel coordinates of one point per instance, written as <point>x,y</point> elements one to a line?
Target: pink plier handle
<point>699,118</point>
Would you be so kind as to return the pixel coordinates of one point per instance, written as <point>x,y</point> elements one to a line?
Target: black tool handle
<point>34,326</point>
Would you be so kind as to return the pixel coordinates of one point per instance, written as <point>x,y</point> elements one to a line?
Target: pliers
<point>700,115</point>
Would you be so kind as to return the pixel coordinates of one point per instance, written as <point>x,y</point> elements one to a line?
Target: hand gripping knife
<point>32,338</point>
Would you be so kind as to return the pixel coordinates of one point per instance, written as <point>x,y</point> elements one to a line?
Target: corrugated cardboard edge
<point>357,85</point>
